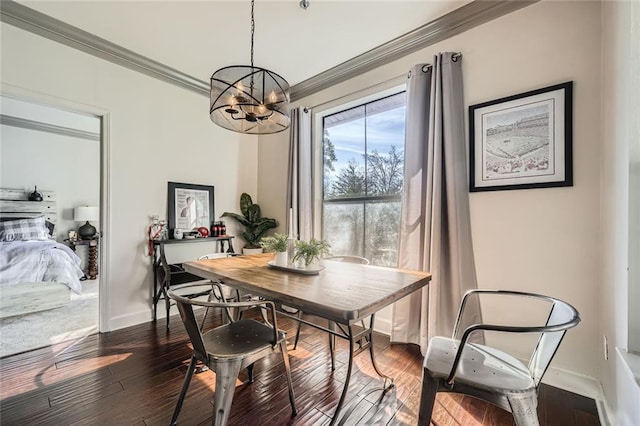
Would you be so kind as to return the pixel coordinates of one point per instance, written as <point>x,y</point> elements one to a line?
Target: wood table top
<point>342,292</point>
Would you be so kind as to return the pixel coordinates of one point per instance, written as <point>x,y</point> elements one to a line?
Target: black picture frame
<point>189,206</point>
<point>522,141</point>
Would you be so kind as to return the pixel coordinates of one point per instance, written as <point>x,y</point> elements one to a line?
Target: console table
<point>166,274</point>
<point>93,254</point>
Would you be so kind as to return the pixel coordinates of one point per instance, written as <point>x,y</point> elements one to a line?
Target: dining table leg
<point>334,419</point>
<point>332,344</point>
<point>385,389</point>
<point>373,358</point>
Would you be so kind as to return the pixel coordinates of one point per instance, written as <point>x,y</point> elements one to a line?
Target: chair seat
<point>480,366</point>
<point>242,337</point>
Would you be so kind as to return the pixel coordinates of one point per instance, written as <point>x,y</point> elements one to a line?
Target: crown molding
<point>462,19</point>
<point>44,25</point>
<point>459,20</point>
<point>25,123</point>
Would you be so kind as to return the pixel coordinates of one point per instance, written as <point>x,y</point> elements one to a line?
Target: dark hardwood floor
<point>133,377</point>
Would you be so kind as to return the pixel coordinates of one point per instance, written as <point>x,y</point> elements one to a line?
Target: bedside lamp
<point>85,214</point>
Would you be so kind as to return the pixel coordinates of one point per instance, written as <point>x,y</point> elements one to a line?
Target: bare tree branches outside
<point>363,179</point>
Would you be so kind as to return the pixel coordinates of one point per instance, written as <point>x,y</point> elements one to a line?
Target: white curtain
<point>435,231</point>
<point>299,187</point>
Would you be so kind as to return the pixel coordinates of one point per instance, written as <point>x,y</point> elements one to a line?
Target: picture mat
<point>522,141</point>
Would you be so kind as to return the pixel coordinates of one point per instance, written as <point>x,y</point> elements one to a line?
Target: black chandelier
<point>249,99</point>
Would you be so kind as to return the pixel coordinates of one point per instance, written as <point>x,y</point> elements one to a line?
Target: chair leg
<point>226,375</point>
<point>250,372</point>
<point>287,370</point>
<point>204,318</point>
<point>167,305</point>
<point>265,319</point>
<point>524,410</point>
<point>211,298</point>
<point>183,392</point>
<point>332,345</point>
<point>427,399</point>
<point>295,343</point>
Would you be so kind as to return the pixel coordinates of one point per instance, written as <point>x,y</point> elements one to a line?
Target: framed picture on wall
<point>522,141</point>
<point>190,206</point>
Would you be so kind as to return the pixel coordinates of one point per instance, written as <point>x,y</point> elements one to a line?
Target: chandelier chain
<point>253,28</point>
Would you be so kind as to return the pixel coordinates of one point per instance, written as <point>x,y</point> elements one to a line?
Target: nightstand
<point>93,254</point>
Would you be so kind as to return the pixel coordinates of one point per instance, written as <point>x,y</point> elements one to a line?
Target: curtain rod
<point>454,58</point>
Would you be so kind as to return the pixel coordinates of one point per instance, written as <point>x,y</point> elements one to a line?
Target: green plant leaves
<point>255,225</point>
<point>310,250</point>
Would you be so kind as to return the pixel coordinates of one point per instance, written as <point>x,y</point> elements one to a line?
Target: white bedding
<point>36,261</point>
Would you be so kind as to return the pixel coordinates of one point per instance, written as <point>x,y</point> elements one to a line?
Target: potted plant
<point>309,252</point>
<point>278,243</point>
<point>254,224</point>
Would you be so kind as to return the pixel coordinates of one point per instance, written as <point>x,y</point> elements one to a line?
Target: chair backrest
<point>562,317</point>
<point>189,319</point>
<point>349,258</point>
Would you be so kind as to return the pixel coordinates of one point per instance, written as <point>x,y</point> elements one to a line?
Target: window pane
<point>385,147</point>
<point>382,225</point>
<point>344,149</point>
<point>343,227</point>
<point>363,166</point>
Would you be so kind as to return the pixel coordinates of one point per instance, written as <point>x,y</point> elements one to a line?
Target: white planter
<point>282,258</point>
<point>251,251</point>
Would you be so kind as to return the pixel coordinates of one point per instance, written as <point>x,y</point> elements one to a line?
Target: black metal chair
<point>222,292</point>
<point>229,348</point>
<point>457,365</point>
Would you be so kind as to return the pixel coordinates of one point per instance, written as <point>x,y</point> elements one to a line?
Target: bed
<point>36,272</point>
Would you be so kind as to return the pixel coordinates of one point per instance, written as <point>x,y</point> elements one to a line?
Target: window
<point>363,168</point>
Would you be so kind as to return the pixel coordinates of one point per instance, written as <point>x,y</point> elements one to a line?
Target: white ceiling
<point>198,37</point>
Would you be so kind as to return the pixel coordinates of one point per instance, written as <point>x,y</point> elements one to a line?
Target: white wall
<point>540,240</point>
<point>621,66</point>
<point>157,133</point>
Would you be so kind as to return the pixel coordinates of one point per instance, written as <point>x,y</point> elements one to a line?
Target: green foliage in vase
<point>276,243</point>
<point>308,251</point>
<point>251,218</point>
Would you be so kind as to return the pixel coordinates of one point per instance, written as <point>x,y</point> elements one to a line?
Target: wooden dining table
<point>343,293</point>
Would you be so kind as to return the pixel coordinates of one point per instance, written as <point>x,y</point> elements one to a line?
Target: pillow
<point>24,229</point>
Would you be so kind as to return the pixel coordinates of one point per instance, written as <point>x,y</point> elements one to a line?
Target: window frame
<point>340,104</point>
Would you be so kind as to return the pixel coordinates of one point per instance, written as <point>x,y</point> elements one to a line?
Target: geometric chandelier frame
<point>249,99</point>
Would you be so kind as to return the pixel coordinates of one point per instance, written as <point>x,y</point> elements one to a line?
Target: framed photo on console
<point>522,141</point>
<point>190,206</point>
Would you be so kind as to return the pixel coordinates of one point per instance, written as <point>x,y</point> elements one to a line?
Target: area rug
<point>76,320</point>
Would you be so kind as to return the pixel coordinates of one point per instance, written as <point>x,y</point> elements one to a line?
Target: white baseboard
<point>604,412</point>
<point>128,320</point>
<point>582,385</point>
<point>382,326</point>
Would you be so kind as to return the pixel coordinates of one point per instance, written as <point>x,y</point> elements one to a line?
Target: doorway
<point>58,150</point>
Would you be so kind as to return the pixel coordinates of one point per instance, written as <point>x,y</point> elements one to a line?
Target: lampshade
<point>85,214</point>
<point>249,99</point>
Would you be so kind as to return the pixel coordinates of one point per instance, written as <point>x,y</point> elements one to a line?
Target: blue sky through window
<point>383,130</point>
